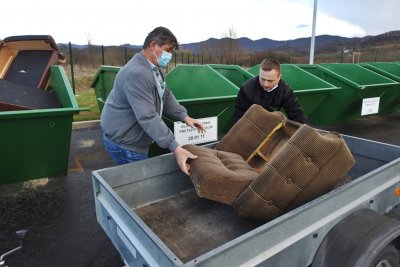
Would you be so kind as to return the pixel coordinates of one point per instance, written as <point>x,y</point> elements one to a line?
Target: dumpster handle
<point>84,108</point>
<point>168,119</point>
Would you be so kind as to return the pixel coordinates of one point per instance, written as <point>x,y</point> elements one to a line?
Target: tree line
<point>229,51</point>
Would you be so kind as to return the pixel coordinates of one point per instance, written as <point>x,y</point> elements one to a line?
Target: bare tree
<point>230,46</point>
<point>91,49</point>
<point>205,49</point>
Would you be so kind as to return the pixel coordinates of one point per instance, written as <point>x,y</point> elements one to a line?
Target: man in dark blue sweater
<point>269,91</point>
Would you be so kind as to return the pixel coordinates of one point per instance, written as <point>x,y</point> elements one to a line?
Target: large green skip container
<point>204,92</point>
<point>36,143</point>
<point>233,73</point>
<point>391,98</point>
<point>103,82</point>
<point>255,70</point>
<point>356,83</point>
<point>201,89</point>
<point>309,89</point>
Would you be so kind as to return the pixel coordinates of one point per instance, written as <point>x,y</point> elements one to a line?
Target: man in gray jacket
<point>131,118</point>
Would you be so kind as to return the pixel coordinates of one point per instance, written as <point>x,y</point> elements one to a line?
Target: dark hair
<point>270,64</point>
<point>162,36</point>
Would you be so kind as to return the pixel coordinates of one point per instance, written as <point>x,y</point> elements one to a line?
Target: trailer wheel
<point>362,239</point>
<point>387,257</point>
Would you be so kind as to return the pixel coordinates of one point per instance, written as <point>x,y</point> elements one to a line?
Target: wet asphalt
<point>59,212</point>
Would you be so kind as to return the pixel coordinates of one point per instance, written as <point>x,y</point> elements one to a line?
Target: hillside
<point>323,43</point>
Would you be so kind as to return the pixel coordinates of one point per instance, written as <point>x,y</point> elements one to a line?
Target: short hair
<point>270,64</point>
<point>162,36</point>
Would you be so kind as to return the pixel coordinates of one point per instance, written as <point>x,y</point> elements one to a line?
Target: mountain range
<point>323,43</point>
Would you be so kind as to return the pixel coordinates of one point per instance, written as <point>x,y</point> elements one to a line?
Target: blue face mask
<point>164,59</point>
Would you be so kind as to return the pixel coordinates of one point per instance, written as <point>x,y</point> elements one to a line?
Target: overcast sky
<point>119,22</point>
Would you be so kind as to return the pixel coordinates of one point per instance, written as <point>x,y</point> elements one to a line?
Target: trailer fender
<point>364,238</point>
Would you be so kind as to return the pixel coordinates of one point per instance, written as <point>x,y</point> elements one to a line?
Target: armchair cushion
<point>310,164</point>
<point>219,175</point>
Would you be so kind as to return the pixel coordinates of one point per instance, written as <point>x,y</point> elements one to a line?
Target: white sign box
<point>184,134</point>
<point>370,106</point>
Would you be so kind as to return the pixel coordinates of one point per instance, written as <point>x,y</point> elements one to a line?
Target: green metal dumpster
<point>233,73</point>
<point>204,92</point>
<point>103,82</point>
<point>309,89</point>
<point>254,70</point>
<point>36,143</point>
<point>359,95</point>
<point>391,98</point>
<point>201,89</point>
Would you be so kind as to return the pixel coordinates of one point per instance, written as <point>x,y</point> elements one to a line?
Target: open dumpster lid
<point>26,59</point>
<point>47,41</point>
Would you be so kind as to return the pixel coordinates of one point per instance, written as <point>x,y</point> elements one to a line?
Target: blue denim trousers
<point>121,155</point>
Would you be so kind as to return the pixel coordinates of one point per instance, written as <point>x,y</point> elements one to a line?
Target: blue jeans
<point>121,155</point>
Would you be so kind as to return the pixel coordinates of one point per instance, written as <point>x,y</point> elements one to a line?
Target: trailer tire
<point>387,257</point>
<point>362,239</point>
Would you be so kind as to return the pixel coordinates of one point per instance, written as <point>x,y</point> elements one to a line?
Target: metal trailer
<point>150,211</point>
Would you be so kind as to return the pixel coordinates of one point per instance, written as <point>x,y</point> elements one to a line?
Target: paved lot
<point>59,211</point>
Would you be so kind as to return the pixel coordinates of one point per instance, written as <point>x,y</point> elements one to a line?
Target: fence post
<point>341,55</point>
<point>71,62</point>
<point>175,58</point>
<point>126,54</point>
<point>102,54</point>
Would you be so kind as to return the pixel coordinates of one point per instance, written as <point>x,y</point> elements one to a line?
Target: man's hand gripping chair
<point>267,165</point>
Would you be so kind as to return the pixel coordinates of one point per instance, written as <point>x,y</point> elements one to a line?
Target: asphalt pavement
<point>59,212</point>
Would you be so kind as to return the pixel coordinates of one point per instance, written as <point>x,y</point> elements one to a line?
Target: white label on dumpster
<point>370,106</point>
<point>184,134</point>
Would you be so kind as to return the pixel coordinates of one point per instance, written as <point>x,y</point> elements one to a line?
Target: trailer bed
<point>190,226</point>
<point>152,214</point>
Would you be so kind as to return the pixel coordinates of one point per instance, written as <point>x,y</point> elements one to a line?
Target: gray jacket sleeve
<point>141,97</point>
<point>172,109</point>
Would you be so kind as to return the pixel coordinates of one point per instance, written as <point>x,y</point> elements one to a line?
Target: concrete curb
<point>85,124</point>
